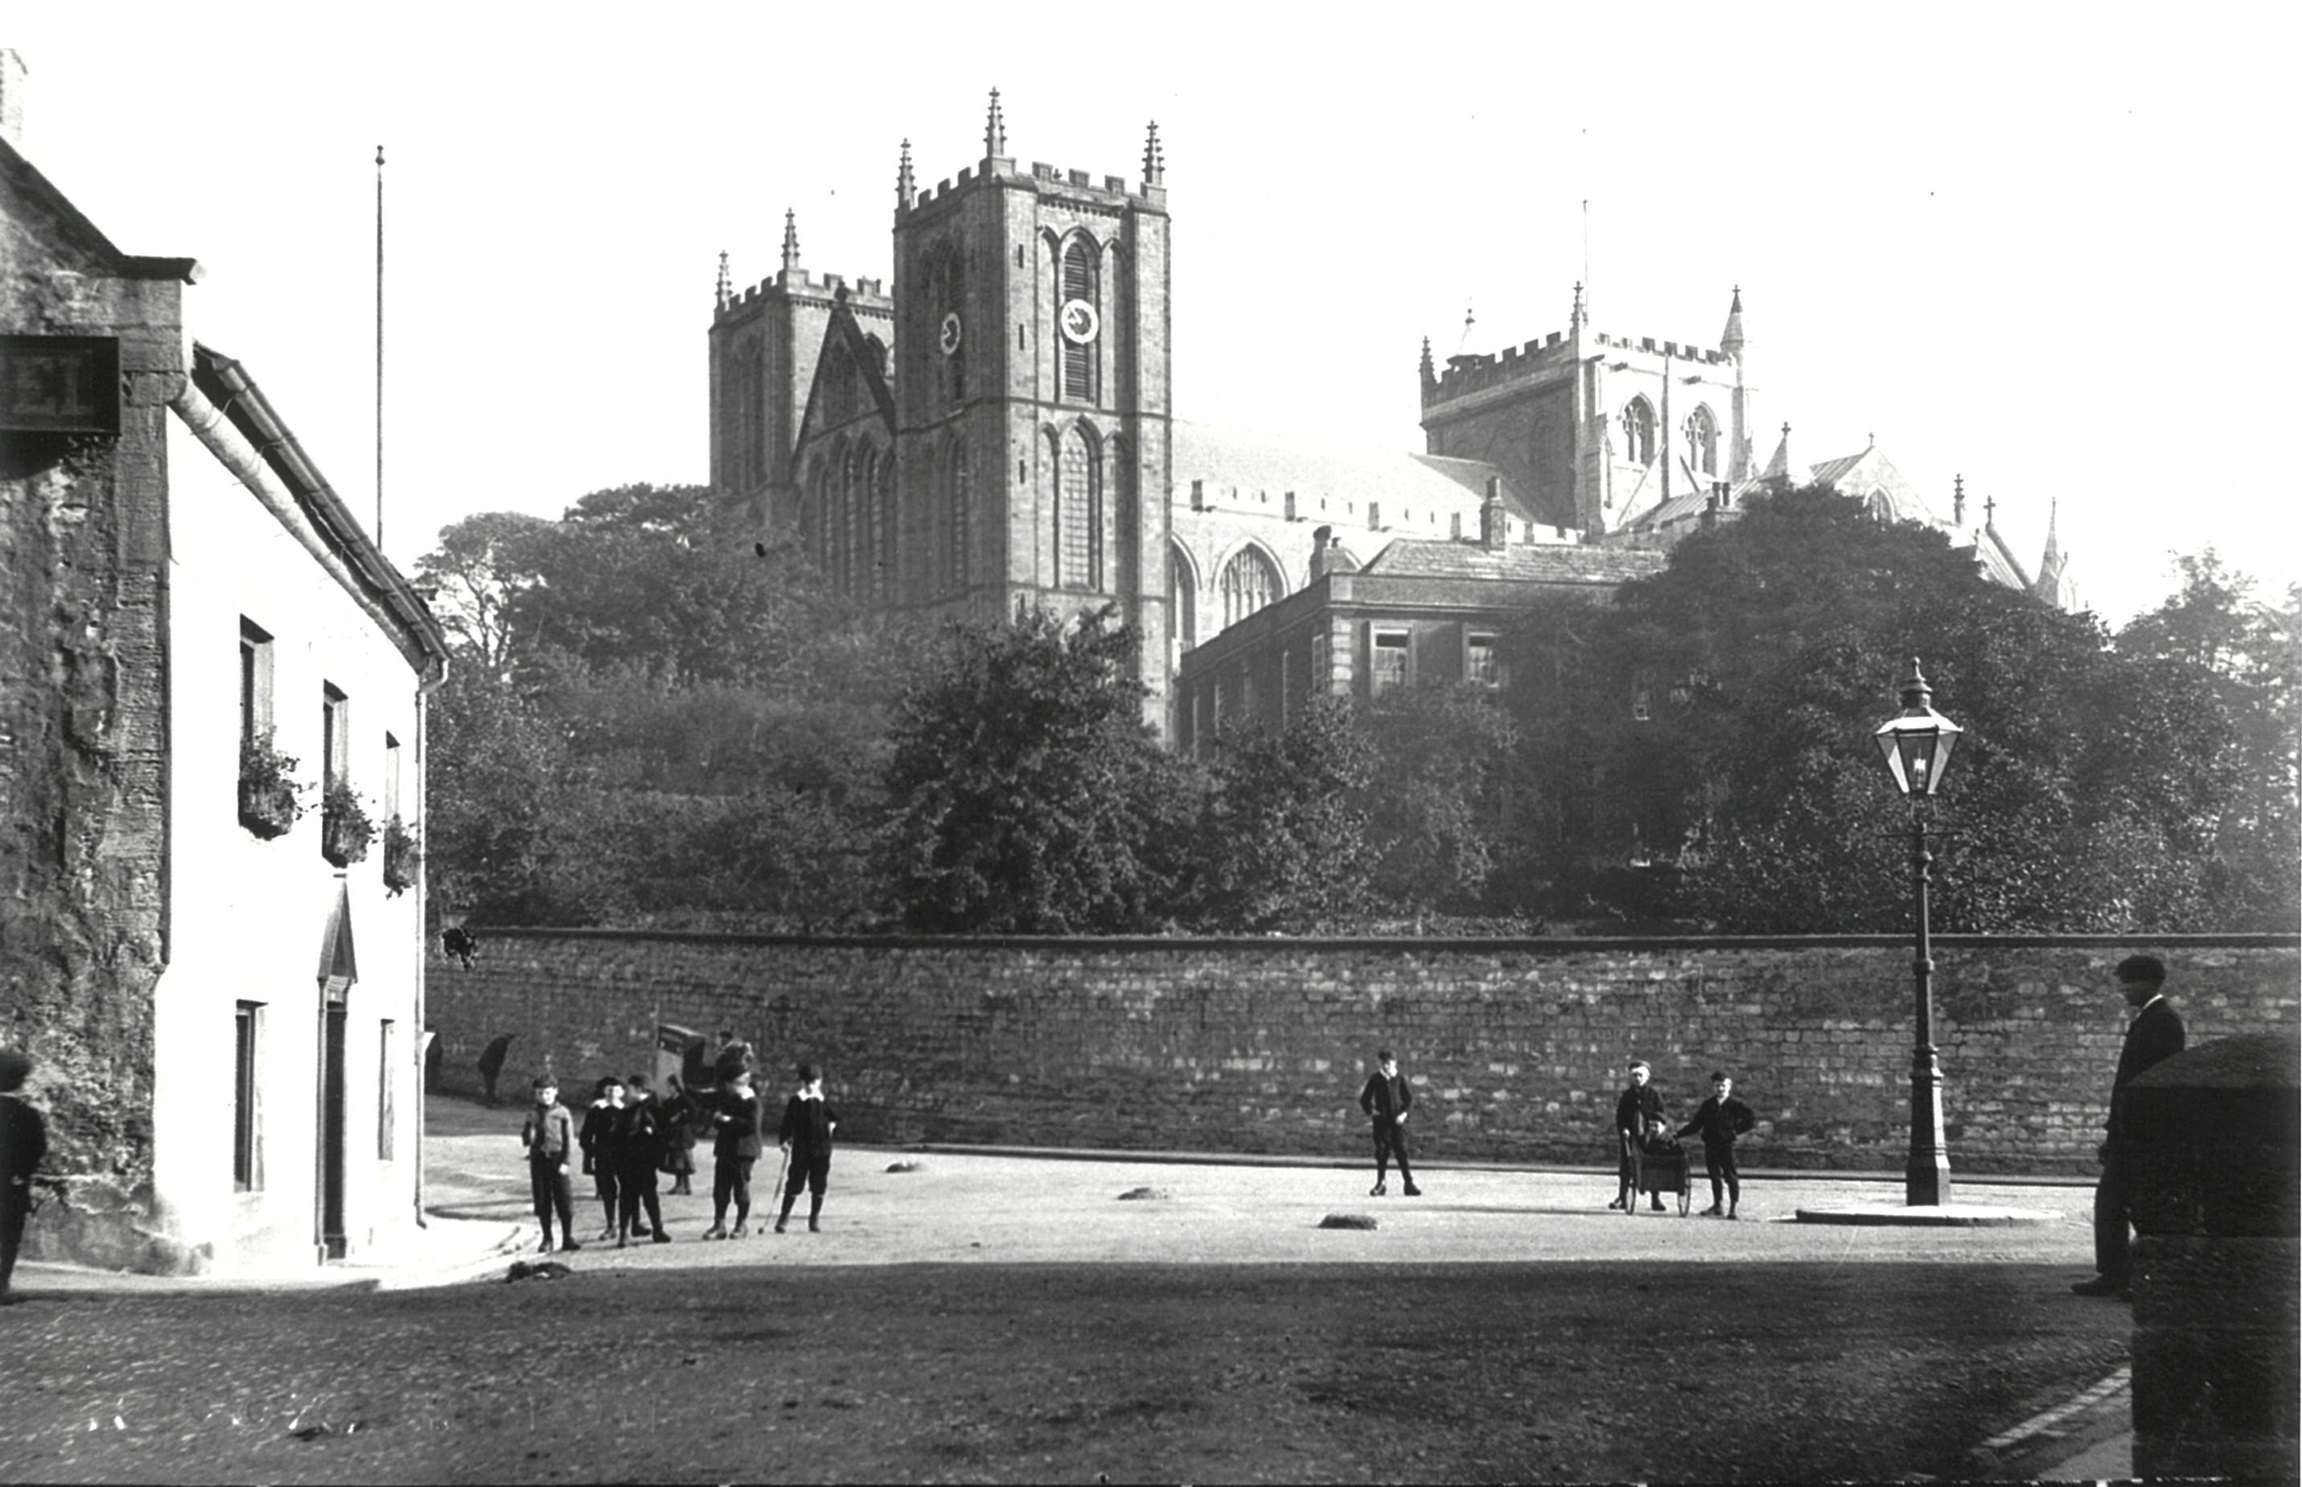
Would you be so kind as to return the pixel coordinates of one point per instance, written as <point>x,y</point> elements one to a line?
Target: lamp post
<point>1917,744</point>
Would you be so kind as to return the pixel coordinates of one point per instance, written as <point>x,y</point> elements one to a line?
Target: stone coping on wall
<point>1541,945</point>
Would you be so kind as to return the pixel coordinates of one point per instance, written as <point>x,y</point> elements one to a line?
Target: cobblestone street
<point>996,1318</point>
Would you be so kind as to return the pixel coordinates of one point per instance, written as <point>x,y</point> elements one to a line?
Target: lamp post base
<point>1926,1178</point>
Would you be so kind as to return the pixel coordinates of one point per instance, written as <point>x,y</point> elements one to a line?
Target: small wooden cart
<point>1659,1168</point>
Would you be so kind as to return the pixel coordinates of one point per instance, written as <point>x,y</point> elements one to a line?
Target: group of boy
<point>1639,1132</point>
<point>629,1135</point>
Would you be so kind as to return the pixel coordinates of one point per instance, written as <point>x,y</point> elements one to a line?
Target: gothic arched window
<point>751,390</point>
<point>1250,581</point>
<point>1079,280</point>
<point>1078,511</point>
<point>871,574</point>
<point>1639,432</point>
<point>1182,605</point>
<point>883,517</point>
<point>838,517</point>
<point>811,522</point>
<point>1702,431</point>
<point>960,519</point>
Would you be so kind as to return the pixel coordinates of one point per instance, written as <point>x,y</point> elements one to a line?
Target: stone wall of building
<point>83,744</point>
<point>1515,1048</point>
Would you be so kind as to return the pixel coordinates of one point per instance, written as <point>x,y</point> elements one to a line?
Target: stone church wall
<point>1516,1047</point>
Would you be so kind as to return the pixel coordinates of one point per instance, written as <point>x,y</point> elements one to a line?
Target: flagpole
<point>379,347</point>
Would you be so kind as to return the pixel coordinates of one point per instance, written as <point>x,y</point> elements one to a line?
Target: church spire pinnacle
<point>790,241</point>
<point>905,187</point>
<point>720,295</point>
<point>1731,339</point>
<point>1581,312</point>
<point>1154,159</point>
<point>1430,373</point>
<point>2053,568</point>
<point>1958,502</point>
<point>995,131</point>
<point>1779,470</point>
<point>1470,321</point>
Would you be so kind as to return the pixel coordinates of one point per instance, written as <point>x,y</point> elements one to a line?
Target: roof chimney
<point>1322,543</point>
<point>1494,528</point>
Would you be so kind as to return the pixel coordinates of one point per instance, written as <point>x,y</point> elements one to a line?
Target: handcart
<point>1659,1168</point>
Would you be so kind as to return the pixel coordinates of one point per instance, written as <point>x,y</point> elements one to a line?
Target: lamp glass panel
<point>1918,760</point>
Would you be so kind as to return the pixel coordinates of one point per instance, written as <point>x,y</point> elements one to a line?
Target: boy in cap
<point>806,1134</point>
<point>549,1137</point>
<point>1721,1119</point>
<point>1386,1100</point>
<point>1638,1114</point>
<point>637,1143</point>
<point>734,1147</point>
<point>596,1138</point>
<point>23,1147</point>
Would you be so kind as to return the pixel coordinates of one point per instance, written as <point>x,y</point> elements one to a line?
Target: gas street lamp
<point>1917,745</point>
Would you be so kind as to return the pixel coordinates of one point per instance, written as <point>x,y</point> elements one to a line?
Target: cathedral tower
<point>764,343</point>
<point>1031,389</point>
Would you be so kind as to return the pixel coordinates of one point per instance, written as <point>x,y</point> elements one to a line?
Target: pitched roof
<point>1225,456</point>
<point>1416,557</point>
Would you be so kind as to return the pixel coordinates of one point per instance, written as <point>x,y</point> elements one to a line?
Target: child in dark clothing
<point>637,1146</point>
<point>549,1137</point>
<point>1721,1119</point>
<point>734,1147</point>
<point>598,1131</point>
<point>676,1115</point>
<point>806,1134</point>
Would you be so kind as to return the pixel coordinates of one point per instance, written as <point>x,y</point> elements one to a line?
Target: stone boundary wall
<point>1515,1048</point>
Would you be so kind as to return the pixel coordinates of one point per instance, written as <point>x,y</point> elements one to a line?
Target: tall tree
<point>653,720</point>
<point>1731,700</point>
<point>1435,797</point>
<point>1027,795</point>
<point>1282,839</point>
<point>2247,654</point>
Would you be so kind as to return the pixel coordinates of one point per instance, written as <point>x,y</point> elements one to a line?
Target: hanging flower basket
<point>401,858</point>
<point>345,827</point>
<point>268,789</point>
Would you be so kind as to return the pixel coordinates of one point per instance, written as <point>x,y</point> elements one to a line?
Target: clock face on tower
<point>1080,321</point>
<point>948,337</point>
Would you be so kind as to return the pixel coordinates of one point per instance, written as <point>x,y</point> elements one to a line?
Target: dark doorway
<point>332,1120</point>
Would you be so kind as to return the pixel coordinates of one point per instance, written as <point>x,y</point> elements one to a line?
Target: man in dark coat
<point>1720,1120</point>
<point>1386,1100</point>
<point>2154,1036</point>
<point>23,1147</point>
<point>1638,1113</point>
<point>806,1134</point>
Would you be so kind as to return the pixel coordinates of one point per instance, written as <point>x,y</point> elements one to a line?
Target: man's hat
<point>1640,1063</point>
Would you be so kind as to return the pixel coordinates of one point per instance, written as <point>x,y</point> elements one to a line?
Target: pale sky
<point>2041,246</point>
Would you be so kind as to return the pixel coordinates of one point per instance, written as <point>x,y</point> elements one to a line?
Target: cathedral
<point>1026,326</point>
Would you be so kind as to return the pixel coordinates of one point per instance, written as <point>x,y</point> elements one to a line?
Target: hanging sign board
<point>60,384</point>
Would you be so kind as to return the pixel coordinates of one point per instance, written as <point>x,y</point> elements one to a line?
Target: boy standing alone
<point>1721,1119</point>
<point>549,1137</point>
<point>1386,1099</point>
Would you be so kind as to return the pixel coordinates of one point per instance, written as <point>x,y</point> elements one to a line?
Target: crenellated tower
<point>763,347</point>
<point>1595,428</point>
<point>1031,392</point>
